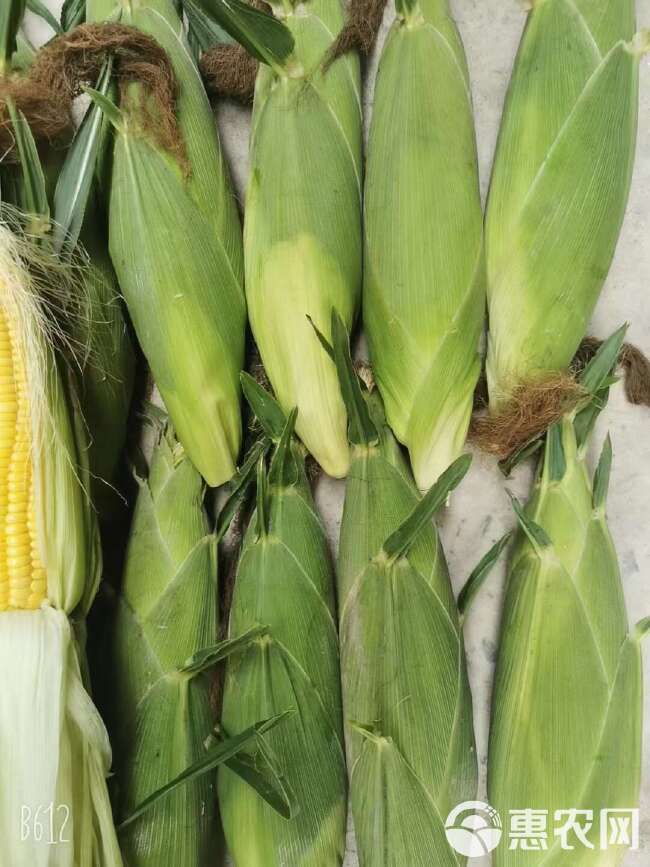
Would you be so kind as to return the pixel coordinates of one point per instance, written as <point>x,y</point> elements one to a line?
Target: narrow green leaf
<point>262,772</point>
<point>480,573</point>
<point>507,466</point>
<point>73,12</point>
<point>324,342</point>
<point>108,107</point>
<point>76,177</point>
<point>398,543</point>
<point>642,628</point>
<point>266,408</point>
<point>262,499</point>
<point>602,474</point>
<point>601,366</point>
<point>203,30</point>
<point>239,488</point>
<point>262,35</point>
<point>209,656</point>
<point>216,755</point>
<point>11,15</point>
<point>283,470</point>
<point>555,459</point>
<point>369,732</point>
<point>34,188</point>
<point>40,9</point>
<point>361,429</point>
<point>24,55</point>
<point>536,535</point>
<point>585,420</point>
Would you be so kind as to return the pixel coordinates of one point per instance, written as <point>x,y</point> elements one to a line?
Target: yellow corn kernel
<point>23,579</point>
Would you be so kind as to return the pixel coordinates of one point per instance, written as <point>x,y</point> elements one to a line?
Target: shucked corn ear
<point>559,185</point>
<point>167,611</point>
<point>406,700</point>
<point>176,246</point>
<point>424,281</point>
<point>285,585</point>
<point>302,228</point>
<point>567,709</point>
<point>55,748</point>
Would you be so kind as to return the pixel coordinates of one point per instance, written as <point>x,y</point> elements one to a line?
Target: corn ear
<point>167,611</point>
<point>567,703</point>
<point>176,246</point>
<point>406,699</point>
<point>39,446</point>
<point>559,185</point>
<point>424,280</point>
<point>108,373</point>
<point>284,585</point>
<point>100,333</point>
<point>56,749</point>
<point>302,229</point>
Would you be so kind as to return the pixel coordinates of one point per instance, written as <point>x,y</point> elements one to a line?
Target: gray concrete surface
<point>480,511</point>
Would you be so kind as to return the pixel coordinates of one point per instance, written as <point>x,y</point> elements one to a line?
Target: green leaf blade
<point>398,544</point>
<point>262,35</point>
<point>75,181</point>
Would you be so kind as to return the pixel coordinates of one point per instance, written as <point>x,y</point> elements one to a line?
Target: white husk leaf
<point>55,750</point>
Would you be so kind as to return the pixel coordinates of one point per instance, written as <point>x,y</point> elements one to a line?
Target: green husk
<point>99,331</point>
<point>11,15</point>
<point>175,243</point>
<point>559,185</point>
<point>302,232</point>
<point>167,612</point>
<point>424,280</point>
<point>407,704</point>
<point>285,585</point>
<point>567,703</point>
<point>108,372</point>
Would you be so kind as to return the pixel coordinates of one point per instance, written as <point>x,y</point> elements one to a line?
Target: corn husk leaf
<point>75,181</point>
<point>262,35</point>
<point>203,30</point>
<point>230,752</point>
<point>32,192</point>
<point>109,362</point>
<point>73,12</point>
<point>424,281</point>
<point>239,489</point>
<point>59,755</point>
<point>11,15</point>
<point>479,574</point>
<point>39,8</point>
